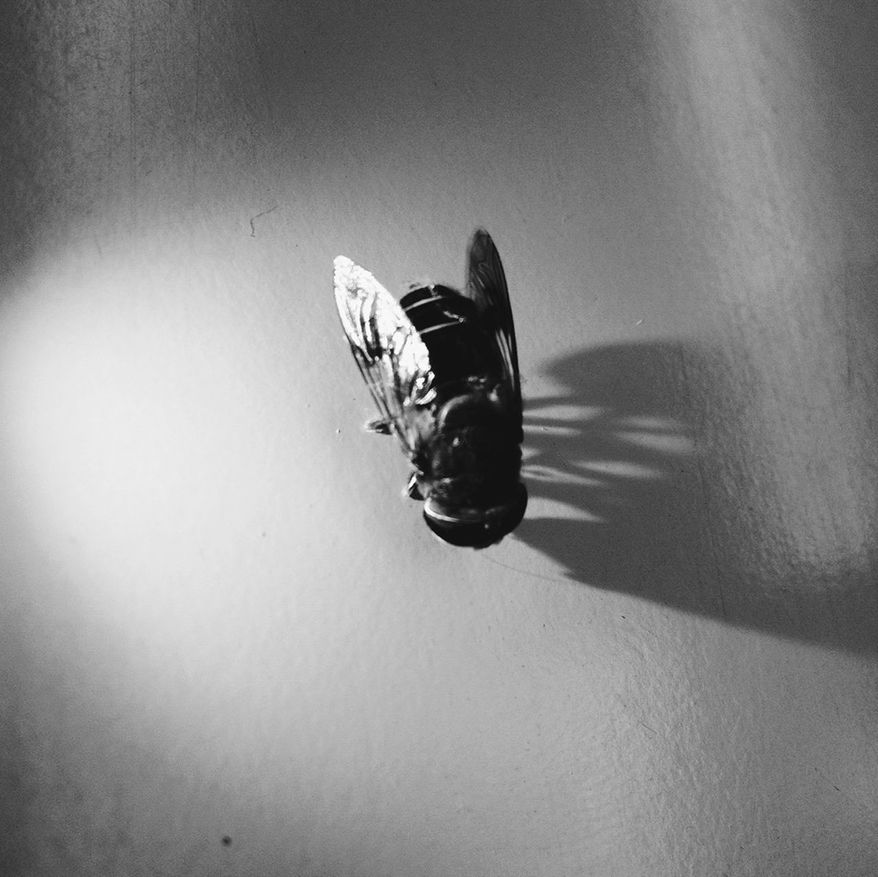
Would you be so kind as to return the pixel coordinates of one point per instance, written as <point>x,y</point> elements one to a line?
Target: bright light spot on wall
<point>136,417</point>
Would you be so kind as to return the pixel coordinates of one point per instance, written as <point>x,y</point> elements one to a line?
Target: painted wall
<point>230,648</point>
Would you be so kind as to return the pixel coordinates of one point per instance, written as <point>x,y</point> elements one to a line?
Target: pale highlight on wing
<point>391,355</point>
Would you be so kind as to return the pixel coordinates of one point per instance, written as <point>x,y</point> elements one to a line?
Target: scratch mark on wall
<point>526,572</point>
<point>254,218</point>
<point>860,804</point>
<point>643,724</point>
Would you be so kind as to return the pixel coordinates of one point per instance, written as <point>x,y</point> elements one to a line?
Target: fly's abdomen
<point>474,454</point>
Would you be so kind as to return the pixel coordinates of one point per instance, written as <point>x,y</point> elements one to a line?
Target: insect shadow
<point>627,495</point>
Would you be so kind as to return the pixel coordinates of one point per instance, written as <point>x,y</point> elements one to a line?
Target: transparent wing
<point>486,286</point>
<point>391,355</point>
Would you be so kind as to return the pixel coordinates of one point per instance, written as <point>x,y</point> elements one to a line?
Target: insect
<point>442,367</point>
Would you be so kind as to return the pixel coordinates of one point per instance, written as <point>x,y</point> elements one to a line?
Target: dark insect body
<point>442,367</point>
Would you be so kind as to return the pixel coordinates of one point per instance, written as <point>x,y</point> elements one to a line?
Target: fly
<point>442,368</point>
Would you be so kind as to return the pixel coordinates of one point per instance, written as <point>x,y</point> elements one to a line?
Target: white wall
<point>219,617</point>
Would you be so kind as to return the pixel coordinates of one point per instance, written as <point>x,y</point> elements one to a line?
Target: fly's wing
<point>486,286</point>
<point>391,355</point>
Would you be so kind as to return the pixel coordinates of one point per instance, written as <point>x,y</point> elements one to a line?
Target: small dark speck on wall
<point>227,841</point>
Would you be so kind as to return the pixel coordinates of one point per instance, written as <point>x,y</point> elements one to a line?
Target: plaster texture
<point>229,646</point>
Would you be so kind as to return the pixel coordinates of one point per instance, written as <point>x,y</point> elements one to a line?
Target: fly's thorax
<point>450,325</point>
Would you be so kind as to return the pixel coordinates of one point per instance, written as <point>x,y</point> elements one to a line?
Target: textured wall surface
<point>230,648</point>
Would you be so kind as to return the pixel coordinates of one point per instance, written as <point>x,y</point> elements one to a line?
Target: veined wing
<point>391,355</point>
<point>486,286</point>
